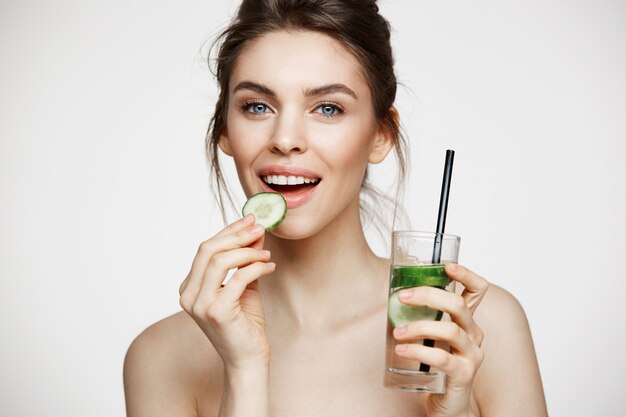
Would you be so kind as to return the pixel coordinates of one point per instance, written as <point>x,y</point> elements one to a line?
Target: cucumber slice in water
<point>269,209</point>
<point>402,314</point>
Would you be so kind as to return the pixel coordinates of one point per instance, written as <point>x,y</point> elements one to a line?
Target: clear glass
<point>412,266</point>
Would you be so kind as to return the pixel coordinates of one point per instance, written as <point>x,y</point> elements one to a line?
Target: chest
<point>322,374</point>
<point>336,374</point>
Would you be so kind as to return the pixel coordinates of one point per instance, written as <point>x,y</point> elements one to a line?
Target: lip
<point>293,199</point>
<point>287,170</point>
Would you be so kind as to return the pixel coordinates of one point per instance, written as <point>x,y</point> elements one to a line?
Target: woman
<point>306,93</point>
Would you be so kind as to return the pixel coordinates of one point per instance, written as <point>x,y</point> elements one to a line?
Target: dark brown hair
<point>356,24</point>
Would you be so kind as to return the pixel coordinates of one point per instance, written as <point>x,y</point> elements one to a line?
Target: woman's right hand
<point>231,315</point>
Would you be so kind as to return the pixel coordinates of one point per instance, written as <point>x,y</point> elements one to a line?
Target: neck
<point>335,269</point>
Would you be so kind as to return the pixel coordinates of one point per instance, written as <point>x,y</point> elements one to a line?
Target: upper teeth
<point>288,180</point>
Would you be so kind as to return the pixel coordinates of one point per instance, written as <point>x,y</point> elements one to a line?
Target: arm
<point>245,393</point>
<point>231,315</point>
<point>171,369</point>
<point>169,366</point>
<point>508,383</point>
<point>487,329</point>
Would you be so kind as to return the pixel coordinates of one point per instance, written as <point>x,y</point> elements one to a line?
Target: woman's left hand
<point>461,333</point>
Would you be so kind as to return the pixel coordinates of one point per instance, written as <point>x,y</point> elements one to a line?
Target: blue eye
<point>257,108</point>
<point>328,110</point>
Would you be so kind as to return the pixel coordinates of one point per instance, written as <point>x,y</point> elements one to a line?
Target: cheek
<point>246,136</point>
<point>348,151</point>
<point>244,150</point>
<point>238,136</point>
<point>350,158</point>
<point>246,141</point>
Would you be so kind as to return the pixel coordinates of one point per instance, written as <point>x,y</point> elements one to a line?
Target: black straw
<point>441,226</point>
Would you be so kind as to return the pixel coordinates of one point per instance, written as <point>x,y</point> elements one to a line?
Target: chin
<point>295,230</point>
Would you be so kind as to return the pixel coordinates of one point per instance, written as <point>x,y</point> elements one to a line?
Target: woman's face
<point>300,121</point>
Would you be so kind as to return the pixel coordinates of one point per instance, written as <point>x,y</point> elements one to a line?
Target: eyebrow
<point>309,92</point>
<point>249,85</point>
<point>329,89</point>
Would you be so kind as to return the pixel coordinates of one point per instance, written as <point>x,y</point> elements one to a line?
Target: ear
<point>384,140</point>
<point>224,142</point>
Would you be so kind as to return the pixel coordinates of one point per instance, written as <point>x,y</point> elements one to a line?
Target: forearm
<point>246,394</point>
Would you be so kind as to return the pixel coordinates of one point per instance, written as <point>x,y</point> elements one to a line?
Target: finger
<point>475,286</point>
<point>233,291</point>
<point>459,368</point>
<point>442,300</point>
<point>202,254</point>
<point>219,266</point>
<point>242,236</point>
<point>448,332</point>
<point>258,244</point>
<point>237,225</point>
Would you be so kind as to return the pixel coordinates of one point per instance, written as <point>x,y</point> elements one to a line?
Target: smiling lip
<point>298,196</point>
<point>284,170</point>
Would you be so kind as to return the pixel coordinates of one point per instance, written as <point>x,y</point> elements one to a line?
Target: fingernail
<point>266,253</point>
<point>248,218</point>
<point>405,294</point>
<point>452,267</point>
<point>399,331</point>
<point>256,229</point>
<point>401,348</point>
<point>272,264</point>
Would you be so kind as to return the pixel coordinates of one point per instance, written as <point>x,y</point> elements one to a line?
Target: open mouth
<point>297,185</point>
<point>290,184</point>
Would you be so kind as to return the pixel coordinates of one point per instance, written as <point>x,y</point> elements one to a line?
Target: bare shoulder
<point>508,381</point>
<point>500,304</point>
<point>175,344</point>
<point>167,366</point>
<point>503,321</point>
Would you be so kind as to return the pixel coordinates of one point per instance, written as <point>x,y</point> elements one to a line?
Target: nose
<point>289,134</point>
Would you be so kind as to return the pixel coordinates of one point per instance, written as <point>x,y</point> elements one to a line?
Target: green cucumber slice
<point>269,209</point>
<point>417,275</point>
<point>402,314</point>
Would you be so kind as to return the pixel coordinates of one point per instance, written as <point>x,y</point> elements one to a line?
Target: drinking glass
<point>417,259</point>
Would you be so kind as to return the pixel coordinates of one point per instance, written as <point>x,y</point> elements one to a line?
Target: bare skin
<point>299,330</point>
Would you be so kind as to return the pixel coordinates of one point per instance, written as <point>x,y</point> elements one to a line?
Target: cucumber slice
<point>401,314</point>
<point>269,209</point>
<point>417,275</point>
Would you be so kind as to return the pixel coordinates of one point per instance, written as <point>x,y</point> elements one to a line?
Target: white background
<point>104,198</point>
